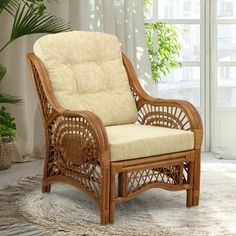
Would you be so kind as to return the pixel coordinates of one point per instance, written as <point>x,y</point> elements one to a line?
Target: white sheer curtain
<point>123,18</point>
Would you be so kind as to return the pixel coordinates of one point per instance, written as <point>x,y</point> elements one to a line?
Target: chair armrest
<point>79,134</point>
<point>171,113</point>
<point>182,112</point>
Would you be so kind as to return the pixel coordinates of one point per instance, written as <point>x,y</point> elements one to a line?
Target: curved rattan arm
<point>182,113</point>
<point>83,123</point>
<point>171,113</point>
<point>77,150</point>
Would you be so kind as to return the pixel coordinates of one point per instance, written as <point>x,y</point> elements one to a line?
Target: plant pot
<point>6,154</point>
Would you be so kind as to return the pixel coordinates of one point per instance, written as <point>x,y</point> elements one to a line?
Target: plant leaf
<point>4,98</point>
<point>11,5</point>
<point>8,5</point>
<point>3,71</point>
<point>163,48</point>
<point>29,20</point>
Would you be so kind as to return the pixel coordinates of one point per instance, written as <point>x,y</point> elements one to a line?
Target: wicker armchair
<point>88,149</point>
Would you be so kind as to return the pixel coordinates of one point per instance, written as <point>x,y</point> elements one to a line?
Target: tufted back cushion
<point>86,73</point>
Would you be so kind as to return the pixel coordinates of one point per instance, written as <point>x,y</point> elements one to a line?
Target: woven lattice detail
<point>163,116</point>
<point>135,95</point>
<point>73,152</point>
<point>186,172</point>
<point>170,175</point>
<point>47,109</point>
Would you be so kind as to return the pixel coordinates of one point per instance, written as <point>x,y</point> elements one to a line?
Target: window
<point>183,82</point>
<point>177,9</point>
<point>208,74</point>
<point>225,50</point>
<point>187,5</point>
<point>225,8</point>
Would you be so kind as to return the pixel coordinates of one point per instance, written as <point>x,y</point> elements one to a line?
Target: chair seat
<point>133,141</point>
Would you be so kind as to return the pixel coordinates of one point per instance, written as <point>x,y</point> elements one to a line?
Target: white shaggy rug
<point>24,210</point>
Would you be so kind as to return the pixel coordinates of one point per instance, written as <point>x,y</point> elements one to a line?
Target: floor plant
<point>29,17</point>
<point>163,46</point>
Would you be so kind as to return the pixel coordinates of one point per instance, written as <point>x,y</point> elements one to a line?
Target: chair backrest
<point>86,73</point>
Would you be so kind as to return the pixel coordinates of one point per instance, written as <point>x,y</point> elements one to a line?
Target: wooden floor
<point>21,170</point>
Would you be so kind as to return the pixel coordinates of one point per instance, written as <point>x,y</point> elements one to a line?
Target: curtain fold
<point>123,18</point>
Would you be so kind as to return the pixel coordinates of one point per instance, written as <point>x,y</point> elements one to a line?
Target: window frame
<point>216,110</point>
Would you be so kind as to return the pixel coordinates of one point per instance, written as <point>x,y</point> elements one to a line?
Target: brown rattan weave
<point>77,149</point>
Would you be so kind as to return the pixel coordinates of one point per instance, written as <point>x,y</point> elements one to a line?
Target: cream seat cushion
<point>86,73</point>
<point>135,141</point>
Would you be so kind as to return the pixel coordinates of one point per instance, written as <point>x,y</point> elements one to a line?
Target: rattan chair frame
<point>77,148</point>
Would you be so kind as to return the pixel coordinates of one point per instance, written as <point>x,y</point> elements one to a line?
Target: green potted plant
<point>7,135</point>
<point>7,126</point>
<point>29,17</point>
<point>163,46</point>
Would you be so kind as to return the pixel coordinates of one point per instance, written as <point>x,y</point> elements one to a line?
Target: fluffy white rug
<point>67,211</point>
<point>216,214</point>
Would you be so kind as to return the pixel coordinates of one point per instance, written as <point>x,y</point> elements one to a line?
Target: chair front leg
<point>196,177</point>
<point>46,187</point>
<point>189,199</point>
<point>105,195</point>
<point>112,196</point>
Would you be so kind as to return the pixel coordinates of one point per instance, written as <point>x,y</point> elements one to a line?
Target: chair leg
<point>105,196</point>
<point>112,212</point>
<point>112,198</point>
<point>196,177</point>
<point>104,217</point>
<point>46,188</point>
<point>189,199</point>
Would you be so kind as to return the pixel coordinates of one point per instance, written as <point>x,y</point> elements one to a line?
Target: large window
<point>184,14</point>
<point>207,77</point>
<point>226,53</point>
<point>224,72</point>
